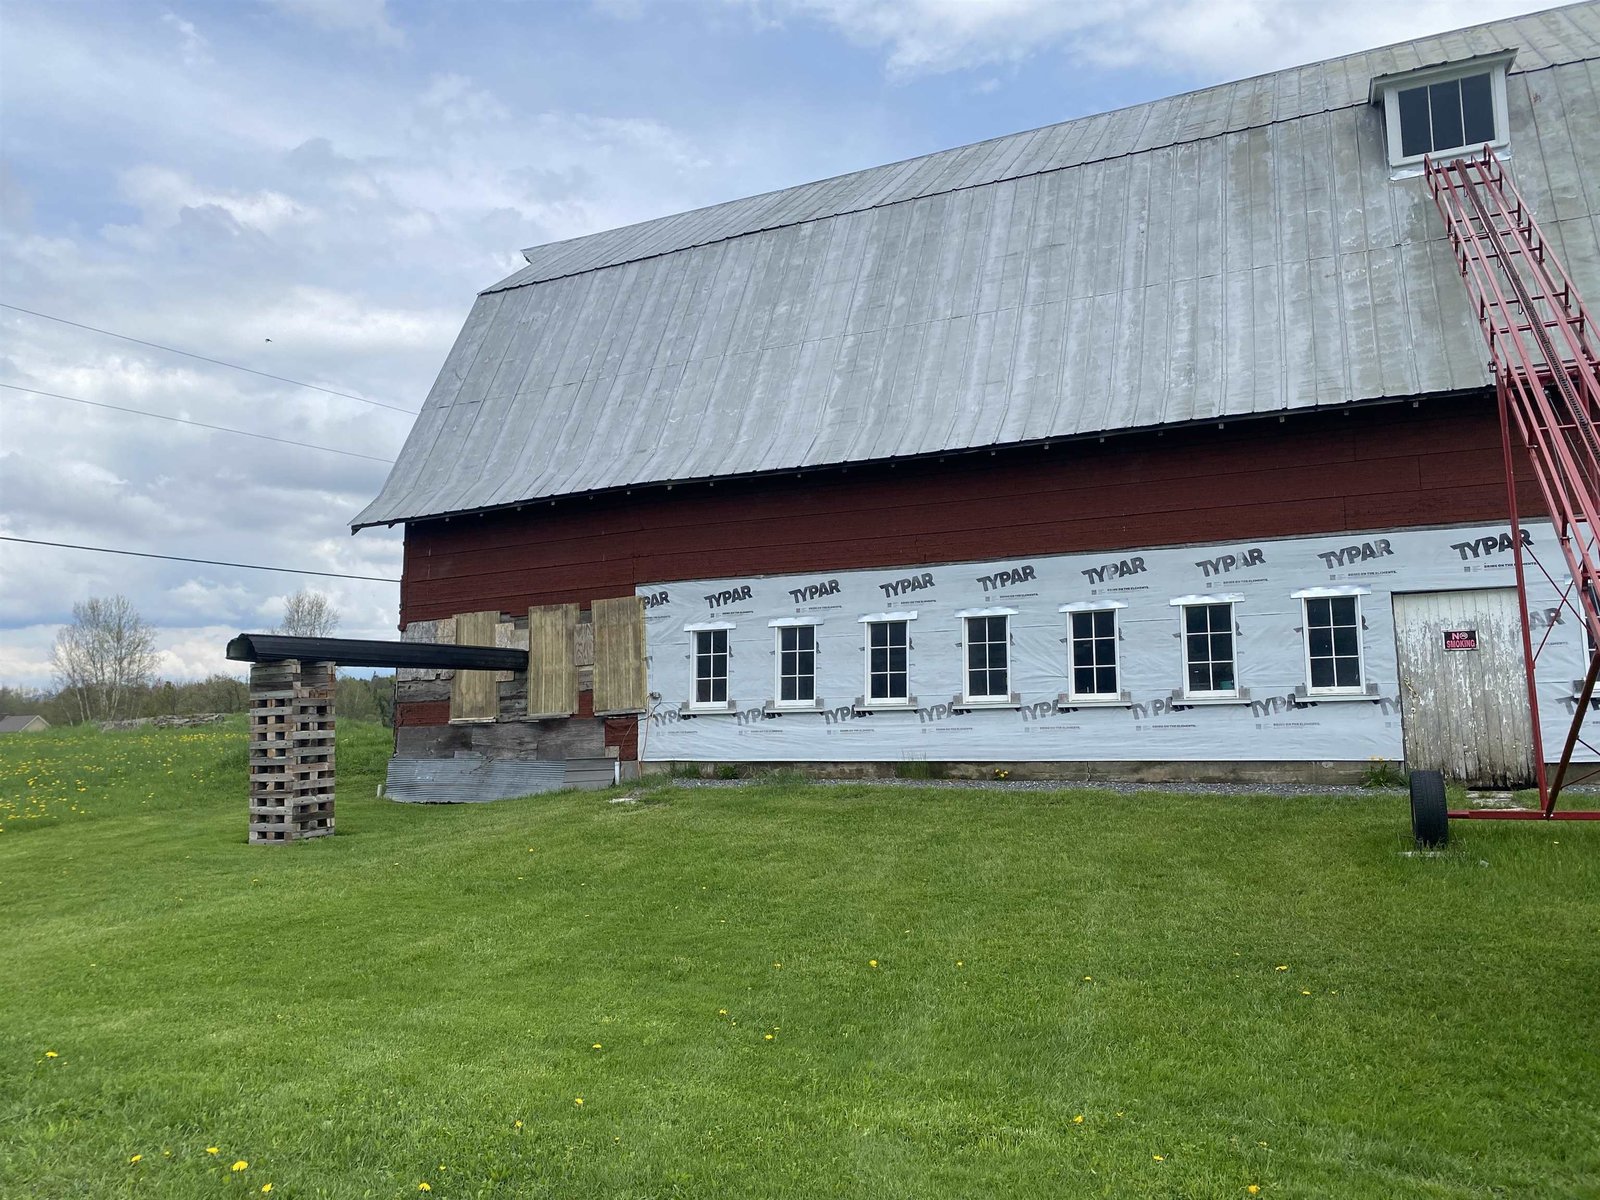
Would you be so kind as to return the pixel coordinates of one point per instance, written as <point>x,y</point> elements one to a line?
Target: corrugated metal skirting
<point>473,779</point>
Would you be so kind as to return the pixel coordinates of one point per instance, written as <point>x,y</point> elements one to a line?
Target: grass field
<point>778,990</point>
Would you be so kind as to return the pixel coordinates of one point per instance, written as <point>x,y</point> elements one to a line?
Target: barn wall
<point>1372,468</point>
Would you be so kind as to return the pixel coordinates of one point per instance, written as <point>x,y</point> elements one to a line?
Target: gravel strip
<point>1122,788</point>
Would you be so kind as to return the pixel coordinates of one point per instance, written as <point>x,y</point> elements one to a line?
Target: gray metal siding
<point>1118,276</point>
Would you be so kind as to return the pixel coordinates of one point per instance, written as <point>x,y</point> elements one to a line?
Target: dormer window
<point>1441,110</point>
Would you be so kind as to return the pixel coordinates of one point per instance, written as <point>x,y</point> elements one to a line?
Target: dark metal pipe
<point>353,652</point>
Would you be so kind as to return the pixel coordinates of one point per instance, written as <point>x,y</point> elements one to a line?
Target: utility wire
<point>214,361</point>
<point>266,437</point>
<point>209,562</point>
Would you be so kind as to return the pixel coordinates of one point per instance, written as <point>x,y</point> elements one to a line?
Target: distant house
<point>1157,438</point>
<point>23,724</point>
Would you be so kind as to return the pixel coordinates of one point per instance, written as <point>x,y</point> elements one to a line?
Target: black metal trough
<point>355,652</point>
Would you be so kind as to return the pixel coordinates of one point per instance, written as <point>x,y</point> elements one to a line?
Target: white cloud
<point>1221,39</point>
<point>368,18</point>
<point>192,45</point>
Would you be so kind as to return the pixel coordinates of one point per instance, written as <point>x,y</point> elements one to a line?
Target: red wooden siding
<point>1373,468</point>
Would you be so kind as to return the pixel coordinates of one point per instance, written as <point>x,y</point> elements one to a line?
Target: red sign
<point>1460,639</point>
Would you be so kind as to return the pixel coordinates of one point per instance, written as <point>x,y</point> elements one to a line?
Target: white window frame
<point>997,699</point>
<point>1386,91</point>
<point>1073,695</point>
<point>695,704</point>
<point>1361,689</point>
<point>778,626</point>
<point>1237,694</point>
<point>868,700</point>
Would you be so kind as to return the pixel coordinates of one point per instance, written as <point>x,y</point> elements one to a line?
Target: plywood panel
<point>1465,710</point>
<point>552,670</point>
<point>619,677</point>
<point>474,695</point>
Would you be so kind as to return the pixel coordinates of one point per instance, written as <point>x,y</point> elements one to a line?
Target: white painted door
<point>1463,693</point>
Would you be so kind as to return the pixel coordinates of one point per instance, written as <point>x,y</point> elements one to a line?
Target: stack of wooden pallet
<point>291,751</point>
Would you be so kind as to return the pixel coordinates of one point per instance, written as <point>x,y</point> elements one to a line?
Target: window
<point>1208,650</point>
<point>797,664</point>
<point>710,666</point>
<point>1444,109</point>
<point>988,643</point>
<point>887,645</point>
<point>1092,654</point>
<point>1333,644</point>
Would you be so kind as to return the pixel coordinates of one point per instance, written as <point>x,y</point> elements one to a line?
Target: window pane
<point>1477,110</point>
<point>879,660</point>
<point>977,655</point>
<point>1199,678</point>
<point>897,658</point>
<point>1316,612</point>
<point>1082,653</point>
<point>1444,99</point>
<point>1195,618</point>
<point>1343,610</point>
<point>1321,642</point>
<point>878,634</point>
<point>1349,672</point>
<point>719,690</point>
<point>1344,641</point>
<point>805,688</point>
<point>1414,121</point>
<point>1106,680</point>
<point>1198,646</point>
<point>1083,680</point>
<point>1105,624</point>
<point>702,691</point>
<point>1322,672</point>
<point>1221,647</point>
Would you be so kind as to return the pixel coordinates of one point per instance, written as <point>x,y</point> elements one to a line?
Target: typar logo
<point>1120,569</point>
<point>1226,563</point>
<point>1360,552</point>
<point>911,583</point>
<point>730,596</point>
<point>1009,577</point>
<point>815,591</point>
<point>1485,546</point>
<point>656,599</point>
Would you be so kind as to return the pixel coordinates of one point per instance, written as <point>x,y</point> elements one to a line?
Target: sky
<point>316,190</point>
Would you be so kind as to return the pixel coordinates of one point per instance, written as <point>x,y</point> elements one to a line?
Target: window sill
<point>776,708</point>
<point>1186,701</point>
<point>707,710</point>
<point>866,707</point>
<point>1307,697</point>
<point>978,703</point>
<point>1066,703</point>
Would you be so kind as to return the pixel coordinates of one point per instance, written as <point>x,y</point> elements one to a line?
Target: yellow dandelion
<point>51,1054</point>
<point>212,1150</point>
<point>1254,1189</point>
<point>1078,1120</point>
<point>597,1046</point>
<point>136,1158</point>
<point>424,1187</point>
<point>722,1012</point>
<point>1159,1157</point>
<point>517,1124</point>
<point>240,1165</point>
<point>265,1188</point>
<point>1088,978</point>
<point>1304,992</point>
<point>777,966</point>
<point>960,963</point>
<point>1281,967</point>
<point>767,1036</point>
<point>578,1100</point>
<point>872,962</point>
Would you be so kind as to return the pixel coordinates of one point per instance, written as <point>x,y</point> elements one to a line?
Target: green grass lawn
<point>1075,993</point>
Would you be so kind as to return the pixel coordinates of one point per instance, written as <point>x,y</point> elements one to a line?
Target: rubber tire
<point>1430,816</point>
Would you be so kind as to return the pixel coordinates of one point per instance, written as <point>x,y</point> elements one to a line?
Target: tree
<point>309,614</point>
<point>104,657</point>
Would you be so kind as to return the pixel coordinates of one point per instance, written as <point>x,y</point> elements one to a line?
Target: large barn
<point>1157,442</point>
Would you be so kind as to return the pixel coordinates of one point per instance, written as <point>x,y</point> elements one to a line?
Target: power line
<point>265,437</point>
<point>209,562</point>
<point>214,361</point>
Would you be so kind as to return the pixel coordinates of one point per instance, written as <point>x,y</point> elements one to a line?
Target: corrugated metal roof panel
<point>1277,266</point>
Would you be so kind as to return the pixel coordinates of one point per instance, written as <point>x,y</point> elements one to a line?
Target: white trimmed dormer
<point>1457,106</point>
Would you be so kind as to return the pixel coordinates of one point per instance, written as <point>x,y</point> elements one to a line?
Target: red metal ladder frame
<point>1547,382</point>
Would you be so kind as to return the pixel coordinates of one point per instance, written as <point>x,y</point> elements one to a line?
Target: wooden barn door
<point>1463,693</point>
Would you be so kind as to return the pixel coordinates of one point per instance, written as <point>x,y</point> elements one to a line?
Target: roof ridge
<point>521,277</point>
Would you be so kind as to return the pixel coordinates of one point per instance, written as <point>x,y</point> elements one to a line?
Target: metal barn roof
<point>1241,250</point>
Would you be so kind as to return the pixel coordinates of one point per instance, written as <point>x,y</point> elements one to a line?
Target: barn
<point>1157,443</point>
